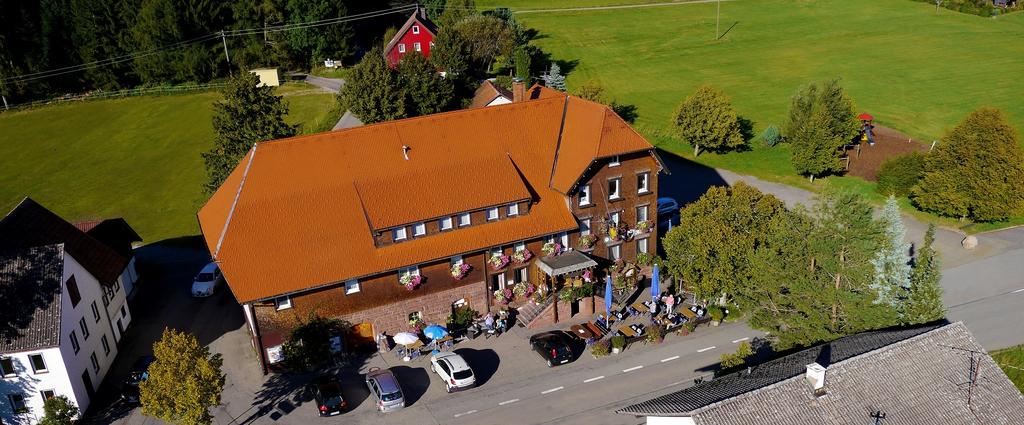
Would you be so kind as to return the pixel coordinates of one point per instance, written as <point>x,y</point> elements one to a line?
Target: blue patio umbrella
<point>607,298</point>
<point>655,283</point>
<point>435,332</point>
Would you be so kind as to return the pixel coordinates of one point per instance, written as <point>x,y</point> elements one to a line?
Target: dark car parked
<point>554,347</point>
<point>130,387</point>
<point>327,395</point>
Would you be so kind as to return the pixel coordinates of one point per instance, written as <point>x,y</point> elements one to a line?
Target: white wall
<point>500,100</point>
<point>117,306</point>
<point>128,278</point>
<point>30,385</point>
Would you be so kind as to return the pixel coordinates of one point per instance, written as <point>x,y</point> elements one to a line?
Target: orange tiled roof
<point>486,93</point>
<point>289,218</point>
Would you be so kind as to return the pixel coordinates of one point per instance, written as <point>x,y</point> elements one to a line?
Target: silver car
<point>453,370</point>
<point>384,388</point>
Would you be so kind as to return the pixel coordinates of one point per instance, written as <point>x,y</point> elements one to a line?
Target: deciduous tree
<point>450,52</point>
<point>248,114</point>
<point>312,45</point>
<point>59,410</point>
<point>373,91</point>
<point>487,37</point>
<point>821,121</point>
<point>924,297</point>
<point>184,382</point>
<point>425,91</point>
<point>707,120</point>
<point>976,171</point>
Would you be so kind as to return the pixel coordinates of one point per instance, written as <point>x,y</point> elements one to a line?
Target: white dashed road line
<point>551,390</point>
<point>740,340</point>
<point>465,413</point>
<point>669,359</point>
<point>632,369</point>
<point>1019,290</point>
<point>593,379</point>
<point>508,402</point>
<point>706,349</point>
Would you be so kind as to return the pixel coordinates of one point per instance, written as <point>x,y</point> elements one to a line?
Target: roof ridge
<point>234,203</point>
<point>558,142</point>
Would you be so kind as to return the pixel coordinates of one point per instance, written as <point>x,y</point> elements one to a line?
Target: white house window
<point>616,216</point>
<point>416,46</point>
<point>38,365</point>
<point>521,275</point>
<point>282,303</point>
<point>643,182</point>
<point>465,219</point>
<point>7,367</point>
<point>513,209</point>
<point>398,234</point>
<point>275,354</point>
<point>401,47</point>
<point>95,311</point>
<point>106,345</point>
<point>613,188</point>
<point>496,251</point>
<point>446,223</point>
<point>614,252</point>
<point>351,286</point>
<point>563,238</point>
<point>584,195</point>
<point>17,403</point>
<point>415,29</point>
<point>492,213</point>
<point>408,271</point>
<point>641,245</point>
<point>419,229</point>
<point>74,342</point>
<point>520,246</point>
<point>95,363</point>
<point>614,162</point>
<point>415,316</point>
<point>456,260</point>
<point>85,328</point>
<point>585,226</point>
<point>47,394</point>
<point>641,213</point>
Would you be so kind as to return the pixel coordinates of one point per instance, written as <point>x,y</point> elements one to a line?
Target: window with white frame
<point>563,238</point>
<point>614,161</point>
<point>398,234</point>
<point>7,367</point>
<point>95,311</point>
<point>95,363</point>
<point>401,47</point>
<point>615,252</point>
<point>74,341</point>
<point>17,403</point>
<point>416,46</point>
<point>351,286</point>
<point>585,226</point>
<point>415,316</point>
<point>38,365</point>
<point>465,219</point>
<point>521,275</point>
<point>408,271</point>
<point>643,182</point>
<point>492,213</point>
<point>283,303</point>
<point>415,29</point>
<point>446,223</point>
<point>106,345</point>
<point>616,217</point>
<point>513,209</point>
<point>456,260</point>
<point>641,246</point>
<point>47,394</point>
<point>584,195</point>
<point>641,213</point>
<point>613,188</point>
<point>496,251</point>
<point>419,229</point>
<point>520,246</point>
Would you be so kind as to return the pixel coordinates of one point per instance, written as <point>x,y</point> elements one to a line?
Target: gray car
<point>384,388</point>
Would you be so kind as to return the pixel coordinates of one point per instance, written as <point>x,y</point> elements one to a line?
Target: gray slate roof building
<point>936,374</point>
<point>30,293</point>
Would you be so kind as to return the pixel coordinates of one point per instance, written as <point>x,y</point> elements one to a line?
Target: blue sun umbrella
<point>607,299</point>
<point>655,283</point>
<point>435,332</point>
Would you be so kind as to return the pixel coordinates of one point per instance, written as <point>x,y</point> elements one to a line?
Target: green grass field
<point>137,157</point>
<point>1012,362</point>
<point>914,70</point>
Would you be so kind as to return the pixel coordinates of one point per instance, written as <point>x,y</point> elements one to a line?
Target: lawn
<point>136,157</point>
<point>914,70</point>
<point>1011,360</point>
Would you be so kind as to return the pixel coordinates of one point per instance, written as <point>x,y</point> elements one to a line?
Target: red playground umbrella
<point>865,117</point>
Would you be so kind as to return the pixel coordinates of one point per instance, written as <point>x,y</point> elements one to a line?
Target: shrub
<point>771,136</point>
<point>898,175</point>
<point>463,316</point>
<point>716,313</point>
<point>619,341</point>
<point>600,348</point>
<point>691,326</point>
<point>655,334</point>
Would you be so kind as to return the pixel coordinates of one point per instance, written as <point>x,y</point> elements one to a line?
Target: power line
<point>201,39</point>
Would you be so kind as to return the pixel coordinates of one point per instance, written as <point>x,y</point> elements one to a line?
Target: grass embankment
<point>138,157</point>
<point>1011,360</point>
<point>914,70</point>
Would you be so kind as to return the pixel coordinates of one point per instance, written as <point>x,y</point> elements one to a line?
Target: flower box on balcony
<point>522,256</point>
<point>587,242</point>
<point>498,261</point>
<point>551,249</point>
<point>459,271</point>
<point>411,281</point>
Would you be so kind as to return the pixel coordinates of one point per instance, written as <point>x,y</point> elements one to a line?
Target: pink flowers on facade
<point>521,257</point>
<point>460,271</point>
<point>411,281</point>
<point>498,261</point>
<point>551,248</point>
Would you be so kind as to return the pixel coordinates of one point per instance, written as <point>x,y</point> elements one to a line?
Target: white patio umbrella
<point>405,338</point>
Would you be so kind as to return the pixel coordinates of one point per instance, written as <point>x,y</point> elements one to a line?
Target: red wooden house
<point>416,35</point>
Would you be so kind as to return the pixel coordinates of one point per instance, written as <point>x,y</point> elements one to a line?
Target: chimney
<point>405,152</point>
<point>518,91</point>
<point>816,378</point>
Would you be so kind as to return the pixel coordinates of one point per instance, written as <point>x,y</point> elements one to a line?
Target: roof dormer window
<point>415,29</point>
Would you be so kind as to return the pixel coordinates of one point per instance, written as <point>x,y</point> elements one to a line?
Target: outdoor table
<point>627,331</point>
<point>594,329</point>
<point>446,342</point>
<point>641,307</point>
<point>413,350</point>
<point>689,314</point>
<point>582,332</point>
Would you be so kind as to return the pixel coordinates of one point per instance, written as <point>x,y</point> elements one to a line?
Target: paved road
<point>332,85</point>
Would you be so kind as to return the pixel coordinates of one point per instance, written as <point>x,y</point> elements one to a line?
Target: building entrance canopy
<point>568,262</point>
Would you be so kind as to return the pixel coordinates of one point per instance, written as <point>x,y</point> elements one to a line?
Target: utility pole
<point>223,39</point>
<point>5,102</point>
<point>718,15</point>
<point>937,3</point>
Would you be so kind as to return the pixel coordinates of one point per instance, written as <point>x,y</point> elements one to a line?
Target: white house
<point>64,311</point>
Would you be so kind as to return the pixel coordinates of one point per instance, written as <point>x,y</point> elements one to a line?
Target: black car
<point>327,395</point>
<point>138,373</point>
<point>555,347</point>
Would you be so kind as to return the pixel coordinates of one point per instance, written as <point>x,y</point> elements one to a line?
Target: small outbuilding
<point>268,76</point>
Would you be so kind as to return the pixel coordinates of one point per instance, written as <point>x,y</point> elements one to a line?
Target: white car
<point>453,370</point>
<point>207,281</point>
